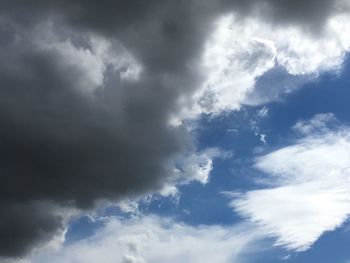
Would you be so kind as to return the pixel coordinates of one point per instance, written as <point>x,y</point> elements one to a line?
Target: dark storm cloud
<point>61,145</point>
<point>58,145</point>
<point>23,223</point>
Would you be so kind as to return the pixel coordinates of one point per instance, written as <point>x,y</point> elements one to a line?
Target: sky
<point>174,131</point>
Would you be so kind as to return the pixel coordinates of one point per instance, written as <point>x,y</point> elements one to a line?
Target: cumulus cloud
<point>289,55</point>
<point>309,191</point>
<point>90,91</point>
<point>152,239</point>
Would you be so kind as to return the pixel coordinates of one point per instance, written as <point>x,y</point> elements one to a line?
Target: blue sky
<point>175,131</point>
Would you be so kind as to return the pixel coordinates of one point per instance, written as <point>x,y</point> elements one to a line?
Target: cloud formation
<point>89,91</point>
<point>77,126</point>
<point>310,186</point>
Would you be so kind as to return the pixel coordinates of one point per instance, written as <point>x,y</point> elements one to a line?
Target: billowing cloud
<point>90,91</point>
<point>309,190</point>
<point>80,122</point>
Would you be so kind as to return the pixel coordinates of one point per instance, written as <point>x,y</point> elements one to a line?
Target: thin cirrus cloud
<point>309,191</point>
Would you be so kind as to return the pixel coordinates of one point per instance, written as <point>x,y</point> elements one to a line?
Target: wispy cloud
<point>310,187</point>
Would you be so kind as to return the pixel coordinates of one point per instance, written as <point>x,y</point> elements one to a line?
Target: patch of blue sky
<point>81,228</point>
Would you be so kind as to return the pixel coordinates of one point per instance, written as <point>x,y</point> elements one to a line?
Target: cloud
<point>309,186</point>
<point>287,55</point>
<point>85,108</point>
<point>89,91</point>
<point>310,14</point>
<point>319,124</point>
<point>43,222</point>
<point>153,239</point>
<point>74,130</point>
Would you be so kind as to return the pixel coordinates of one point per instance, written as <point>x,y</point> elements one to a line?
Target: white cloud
<point>151,239</point>
<point>233,58</point>
<point>188,168</point>
<point>238,52</point>
<point>309,191</point>
<point>196,166</point>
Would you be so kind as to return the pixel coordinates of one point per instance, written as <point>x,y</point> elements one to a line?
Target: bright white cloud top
<point>310,192</point>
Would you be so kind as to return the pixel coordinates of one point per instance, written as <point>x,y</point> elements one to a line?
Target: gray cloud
<point>22,226</point>
<point>310,15</point>
<point>62,146</point>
